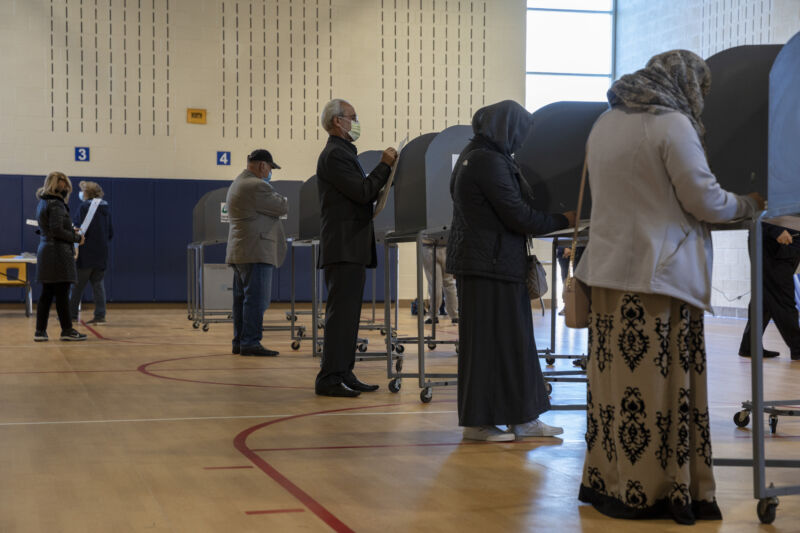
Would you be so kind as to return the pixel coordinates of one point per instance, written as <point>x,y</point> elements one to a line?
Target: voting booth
<point>551,157</point>
<point>736,116</point>
<point>309,221</point>
<point>291,190</point>
<point>210,217</point>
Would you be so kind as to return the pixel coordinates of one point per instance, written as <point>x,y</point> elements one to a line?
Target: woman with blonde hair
<point>94,213</point>
<point>55,257</point>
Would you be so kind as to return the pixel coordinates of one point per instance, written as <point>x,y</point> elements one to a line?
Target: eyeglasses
<point>353,118</point>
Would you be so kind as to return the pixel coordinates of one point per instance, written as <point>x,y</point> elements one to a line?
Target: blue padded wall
<point>152,221</point>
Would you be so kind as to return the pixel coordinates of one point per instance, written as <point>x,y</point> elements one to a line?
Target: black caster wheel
<point>205,327</point>
<point>301,331</point>
<point>196,325</point>
<point>773,427</point>
<point>426,395</point>
<point>550,360</point>
<point>362,347</point>
<point>189,317</point>
<point>400,348</point>
<point>741,419</point>
<point>548,387</point>
<point>582,364</point>
<point>295,345</point>
<point>394,385</point>
<point>383,332</point>
<point>766,509</point>
<point>398,366</point>
<point>431,345</point>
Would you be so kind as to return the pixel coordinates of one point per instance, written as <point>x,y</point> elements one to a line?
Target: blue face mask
<point>80,196</point>
<point>268,178</point>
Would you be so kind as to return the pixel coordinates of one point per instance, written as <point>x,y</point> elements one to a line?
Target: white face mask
<point>80,196</point>
<point>355,130</point>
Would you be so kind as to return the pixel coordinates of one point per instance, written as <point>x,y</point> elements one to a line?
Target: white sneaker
<point>487,433</point>
<point>535,428</point>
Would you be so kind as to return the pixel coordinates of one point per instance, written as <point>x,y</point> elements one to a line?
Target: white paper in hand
<point>384,194</point>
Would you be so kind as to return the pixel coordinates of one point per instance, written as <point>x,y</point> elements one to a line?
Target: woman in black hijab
<point>499,378</point>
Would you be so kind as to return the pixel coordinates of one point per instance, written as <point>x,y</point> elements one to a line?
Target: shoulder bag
<point>576,294</point>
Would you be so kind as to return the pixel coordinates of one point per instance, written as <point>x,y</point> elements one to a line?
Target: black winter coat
<point>347,234</point>
<point>94,252</point>
<point>55,257</point>
<point>492,216</point>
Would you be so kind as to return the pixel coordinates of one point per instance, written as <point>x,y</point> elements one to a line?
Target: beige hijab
<point>677,80</point>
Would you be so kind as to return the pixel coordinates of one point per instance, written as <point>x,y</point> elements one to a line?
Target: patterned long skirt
<point>647,426</point>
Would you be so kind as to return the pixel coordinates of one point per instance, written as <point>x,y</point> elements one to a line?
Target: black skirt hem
<point>663,508</point>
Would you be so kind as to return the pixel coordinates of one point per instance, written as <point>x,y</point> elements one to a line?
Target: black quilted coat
<point>55,258</point>
<point>491,200</point>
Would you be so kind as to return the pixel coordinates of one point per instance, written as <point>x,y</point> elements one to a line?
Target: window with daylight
<point>569,51</point>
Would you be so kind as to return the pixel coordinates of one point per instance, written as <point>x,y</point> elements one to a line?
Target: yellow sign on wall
<point>195,116</point>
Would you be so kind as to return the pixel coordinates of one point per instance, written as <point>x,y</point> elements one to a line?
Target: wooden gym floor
<point>152,425</point>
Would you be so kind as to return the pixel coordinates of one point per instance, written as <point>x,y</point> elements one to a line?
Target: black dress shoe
<point>356,384</point>
<point>235,349</point>
<point>767,354</point>
<point>258,351</point>
<point>338,389</point>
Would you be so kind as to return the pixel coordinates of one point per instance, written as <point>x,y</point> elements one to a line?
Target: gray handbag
<point>536,278</point>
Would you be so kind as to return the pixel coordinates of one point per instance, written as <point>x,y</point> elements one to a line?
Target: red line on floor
<point>409,445</point>
<point>272,511</point>
<point>143,368</point>
<point>93,331</point>
<point>240,443</point>
<point>226,467</point>
<point>65,371</point>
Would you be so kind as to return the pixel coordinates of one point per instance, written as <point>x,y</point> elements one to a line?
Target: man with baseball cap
<point>256,245</point>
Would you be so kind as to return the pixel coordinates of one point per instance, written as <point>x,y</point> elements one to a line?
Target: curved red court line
<point>240,443</point>
<point>144,370</point>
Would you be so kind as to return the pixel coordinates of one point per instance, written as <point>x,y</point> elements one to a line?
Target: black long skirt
<point>499,378</point>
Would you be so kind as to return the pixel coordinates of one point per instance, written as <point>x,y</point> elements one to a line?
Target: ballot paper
<point>384,194</point>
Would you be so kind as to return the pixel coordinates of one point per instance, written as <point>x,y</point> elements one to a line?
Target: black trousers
<point>345,284</point>
<point>779,304</point>
<point>59,291</point>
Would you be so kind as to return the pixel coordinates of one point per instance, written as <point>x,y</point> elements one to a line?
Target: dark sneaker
<point>258,351</point>
<point>454,321</point>
<point>430,320</point>
<point>235,349</point>
<point>97,320</point>
<point>40,336</point>
<point>72,335</point>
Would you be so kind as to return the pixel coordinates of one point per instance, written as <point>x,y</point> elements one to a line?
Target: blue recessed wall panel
<point>133,258</point>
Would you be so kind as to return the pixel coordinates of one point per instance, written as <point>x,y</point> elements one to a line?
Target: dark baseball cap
<point>262,155</point>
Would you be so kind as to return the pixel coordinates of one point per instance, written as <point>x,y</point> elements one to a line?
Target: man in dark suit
<point>781,257</point>
<point>347,243</point>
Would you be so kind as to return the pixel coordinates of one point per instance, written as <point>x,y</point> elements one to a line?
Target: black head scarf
<point>504,125</point>
<point>677,80</point>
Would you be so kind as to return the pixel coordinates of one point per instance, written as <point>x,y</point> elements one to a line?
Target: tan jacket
<point>652,194</point>
<point>256,233</point>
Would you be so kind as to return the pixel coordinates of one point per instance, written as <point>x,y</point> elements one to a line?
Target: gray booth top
<point>551,157</point>
<point>384,222</point>
<point>784,128</point>
<point>210,217</point>
<point>291,190</point>
<point>736,117</point>
<point>310,222</point>
<point>422,180</point>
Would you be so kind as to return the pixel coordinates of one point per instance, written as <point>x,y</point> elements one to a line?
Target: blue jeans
<point>252,291</point>
<point>86,275</point>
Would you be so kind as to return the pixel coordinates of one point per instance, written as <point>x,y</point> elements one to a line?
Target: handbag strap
<point>577,218</point>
